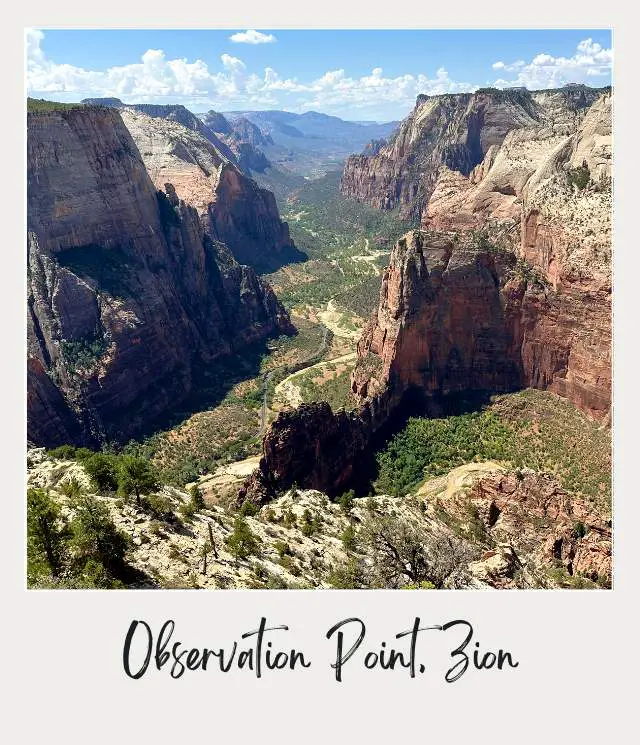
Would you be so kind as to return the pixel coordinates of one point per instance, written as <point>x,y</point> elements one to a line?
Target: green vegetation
<point>580,176</point>
<point>136,476</point>
<point>89,551</point>
<point>530,428</point>
<point>431,447</point>
<point>321,385</point>
<point>242,543</point>
<point>82,354</point>
<point>41,105</point>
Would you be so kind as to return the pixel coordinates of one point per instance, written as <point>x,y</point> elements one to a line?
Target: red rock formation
<point>456,318</point>
<point>310,446</point>
<point>127,289</point>
<point>533,510</point>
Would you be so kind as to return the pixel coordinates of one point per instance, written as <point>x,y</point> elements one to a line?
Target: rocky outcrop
<point>532,305</point>
<point>454,131</point>
<point>310,446</point>
<point>128,289</point>
<point>235,209</point>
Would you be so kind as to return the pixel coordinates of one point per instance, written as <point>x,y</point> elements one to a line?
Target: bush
<point>580,176</point>
<point>580,530</point>
<point>348,538</point>
<point>282,548</point>
<point>71,488</point>
<point>99,547</point>
<point>197,500</point>
<point>63,452</point>
<point>136,476</point>
<point>346,501</point>
<point>46,534</point>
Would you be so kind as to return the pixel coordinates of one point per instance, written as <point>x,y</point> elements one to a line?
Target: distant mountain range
<point>314,131</point>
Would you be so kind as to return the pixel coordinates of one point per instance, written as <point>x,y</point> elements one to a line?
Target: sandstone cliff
<point>128,288</point>
<point>455,131</point>
<point>508,285</point>
<point>236,211</point>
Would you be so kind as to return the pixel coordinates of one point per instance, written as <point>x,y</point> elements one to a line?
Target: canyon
<point>505,285</point>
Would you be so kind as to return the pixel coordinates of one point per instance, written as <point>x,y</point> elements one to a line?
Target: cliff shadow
<point>414,403</point>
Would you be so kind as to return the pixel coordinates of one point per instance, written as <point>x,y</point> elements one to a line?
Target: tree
<point>346,501</point>
<point>103,471</point>
<point>349,538</point>
<point>242,543</point>
<point>403,551</point>
<point>136,476</point>
<point>197,500</point>
<point>45,534</point>
<point>96,540</point>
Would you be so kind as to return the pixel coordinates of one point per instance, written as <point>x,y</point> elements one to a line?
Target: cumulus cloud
<point>155,77</point>
<point>590,61</point>
<point>252,37</point>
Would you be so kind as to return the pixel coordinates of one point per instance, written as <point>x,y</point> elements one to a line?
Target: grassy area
<point>527,429</point>
<point>220,422</point>
<point>336,234</point>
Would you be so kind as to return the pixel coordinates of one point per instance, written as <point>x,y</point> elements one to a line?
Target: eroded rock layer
<point>127,286</point>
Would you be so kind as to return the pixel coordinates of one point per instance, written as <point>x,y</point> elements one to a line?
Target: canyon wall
<point>455,131</point>
<point>128,287</point>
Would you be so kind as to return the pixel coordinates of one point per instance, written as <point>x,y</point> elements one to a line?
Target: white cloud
<point>154,78</point>
<point>591,60</point>
<point>252,37</point>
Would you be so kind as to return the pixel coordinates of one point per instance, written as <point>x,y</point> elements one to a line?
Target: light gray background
<point>64,680</point>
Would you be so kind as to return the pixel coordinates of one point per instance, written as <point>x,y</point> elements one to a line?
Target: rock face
<point>128,288</point>
<point>459,318</point>
<point>455,131</point>
<point>527,305</point>
<point>236,211</point>
<point>310,446</point>
<point>243,138</point>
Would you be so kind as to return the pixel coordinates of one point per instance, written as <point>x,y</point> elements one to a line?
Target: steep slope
<point>127,287</point>
<point>455,131</point>
<point>507,285</point>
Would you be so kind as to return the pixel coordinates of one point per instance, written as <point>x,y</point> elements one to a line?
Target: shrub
<point>97,542</point>
<point>197,500</point>
<point>580,530</point>
<point>46,533</point>
<point>136,476</point>
<point>346,501</point>
<point>63,452</point>
<point>579,177</point>
<point>282,548</point>
<point>71,488</point>
<point>348,538</point>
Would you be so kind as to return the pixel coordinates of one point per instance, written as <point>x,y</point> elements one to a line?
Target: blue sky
<point>353,74</point>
